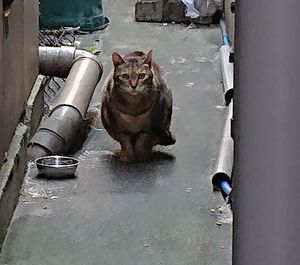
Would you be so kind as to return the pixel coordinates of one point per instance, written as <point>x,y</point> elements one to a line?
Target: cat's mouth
<point>134,92</point>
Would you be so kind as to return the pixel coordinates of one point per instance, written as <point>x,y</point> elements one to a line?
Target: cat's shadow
<point>138,176</point>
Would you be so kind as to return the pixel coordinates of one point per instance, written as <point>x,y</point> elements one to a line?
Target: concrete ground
<point>159,212</point>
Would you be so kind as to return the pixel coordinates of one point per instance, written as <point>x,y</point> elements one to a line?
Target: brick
<point>174,11</point>
<point>168,11</point>
<point>149,10</point>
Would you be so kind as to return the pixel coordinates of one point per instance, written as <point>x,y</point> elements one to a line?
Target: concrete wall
<point>18,64</point>
<point>2,144</point>
<point>229,18</point>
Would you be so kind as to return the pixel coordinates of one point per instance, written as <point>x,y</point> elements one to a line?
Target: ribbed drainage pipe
<point>58,131</point>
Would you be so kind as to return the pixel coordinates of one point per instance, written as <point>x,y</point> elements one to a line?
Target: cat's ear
<point>148,58</point>
<point>117,59</point>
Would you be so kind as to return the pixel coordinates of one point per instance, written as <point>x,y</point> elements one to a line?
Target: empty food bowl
<point>56,166</point>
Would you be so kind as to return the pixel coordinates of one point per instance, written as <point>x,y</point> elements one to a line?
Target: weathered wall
<point>31,25</point>
<point>229,18</point>
<point>18,65</point>
<point>1,87</point>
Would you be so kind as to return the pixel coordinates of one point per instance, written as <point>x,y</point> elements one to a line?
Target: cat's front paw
<point>142,156</point>
<point>127,158</point>
<point>172,139</point>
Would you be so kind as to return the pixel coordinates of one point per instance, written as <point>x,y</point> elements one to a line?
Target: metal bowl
<point>56,166</point>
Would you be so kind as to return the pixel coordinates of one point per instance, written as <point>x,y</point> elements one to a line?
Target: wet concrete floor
<point>152,213</point>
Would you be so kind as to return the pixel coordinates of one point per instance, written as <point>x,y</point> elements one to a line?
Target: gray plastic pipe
<point>227,73</point>
<point>224,163</point>
<point>83,70</point>
<point>226,66</point>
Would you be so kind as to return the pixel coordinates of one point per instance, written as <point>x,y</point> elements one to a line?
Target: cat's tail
<point>164,137</point>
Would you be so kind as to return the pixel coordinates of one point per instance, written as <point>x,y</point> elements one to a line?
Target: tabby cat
<point>136,106</point>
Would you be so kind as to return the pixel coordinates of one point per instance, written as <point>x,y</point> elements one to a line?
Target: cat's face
<point>133,75</point>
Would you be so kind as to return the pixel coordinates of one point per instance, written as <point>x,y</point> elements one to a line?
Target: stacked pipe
<point>83,70</point>
<point>222,175</point>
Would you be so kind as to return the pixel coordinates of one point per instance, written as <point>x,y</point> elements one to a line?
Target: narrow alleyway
<point>152,213</point>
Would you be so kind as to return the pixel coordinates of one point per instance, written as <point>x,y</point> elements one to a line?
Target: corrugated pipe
<point>83,70</point>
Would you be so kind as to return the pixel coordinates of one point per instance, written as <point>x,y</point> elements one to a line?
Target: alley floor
<point>152,213</point>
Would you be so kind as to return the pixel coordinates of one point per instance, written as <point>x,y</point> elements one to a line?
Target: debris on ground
<point>218,223</point>
<point>188,190</point>
<point>94,49</point>
<point>146,245</point>
<point>189,84</point>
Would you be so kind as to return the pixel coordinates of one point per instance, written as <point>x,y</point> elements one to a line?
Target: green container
<point>87,14</point>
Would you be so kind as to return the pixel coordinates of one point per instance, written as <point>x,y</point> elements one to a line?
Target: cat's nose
<point>133,85</point>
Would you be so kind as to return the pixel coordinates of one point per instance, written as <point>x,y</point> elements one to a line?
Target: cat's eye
<point>125,76</point>
<point>142,76</point>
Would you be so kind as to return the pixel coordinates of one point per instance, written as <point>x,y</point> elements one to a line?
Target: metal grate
<point>57,38</point>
